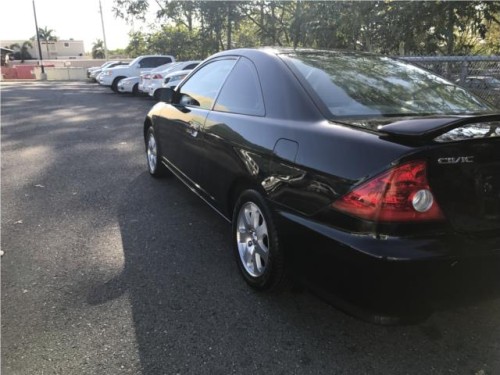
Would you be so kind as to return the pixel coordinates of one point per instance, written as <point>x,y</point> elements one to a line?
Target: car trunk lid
<point>463,156</point>
<point>465,179</point>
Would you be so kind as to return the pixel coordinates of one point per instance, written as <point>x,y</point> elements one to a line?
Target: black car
<point>355,173</point>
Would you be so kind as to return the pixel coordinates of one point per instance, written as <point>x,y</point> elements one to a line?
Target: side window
<point>191,66</point>
<point>242,92</point>
<point>202,88</point>
<point>146,62</point>
<point>163,60</point>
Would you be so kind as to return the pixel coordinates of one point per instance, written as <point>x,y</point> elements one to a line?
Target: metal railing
<point>479,74</point>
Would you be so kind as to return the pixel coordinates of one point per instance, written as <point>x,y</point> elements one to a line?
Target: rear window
<point>366,85</point>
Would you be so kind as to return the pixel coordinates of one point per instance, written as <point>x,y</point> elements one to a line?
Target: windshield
<point>164,67</point>
<point>134,61</point>
<point>365,85</point>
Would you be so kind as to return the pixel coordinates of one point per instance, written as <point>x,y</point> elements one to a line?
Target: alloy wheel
<point>252,239</point>
<point>152,153</point>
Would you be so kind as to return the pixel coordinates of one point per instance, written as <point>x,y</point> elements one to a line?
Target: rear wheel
<point>256,245</point>
<point>153,155</point>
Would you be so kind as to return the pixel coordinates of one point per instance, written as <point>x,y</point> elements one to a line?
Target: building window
<point>66,44</point>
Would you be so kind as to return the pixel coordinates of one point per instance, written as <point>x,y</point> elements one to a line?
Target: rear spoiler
<point>430,128</point>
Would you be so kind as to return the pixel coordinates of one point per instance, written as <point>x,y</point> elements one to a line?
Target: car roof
<point>284,50</point>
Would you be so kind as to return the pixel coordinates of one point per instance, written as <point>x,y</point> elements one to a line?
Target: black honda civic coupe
<point>361,175</point>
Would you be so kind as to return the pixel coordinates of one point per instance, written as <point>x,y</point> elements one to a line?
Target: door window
<point>203,86</point>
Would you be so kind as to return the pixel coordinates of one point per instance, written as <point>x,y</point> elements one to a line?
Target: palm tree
<point>23,53</point>
<point>98,49</point>
<point>47,36</point>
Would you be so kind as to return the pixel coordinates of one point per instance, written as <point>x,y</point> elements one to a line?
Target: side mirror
<point>166,94</point>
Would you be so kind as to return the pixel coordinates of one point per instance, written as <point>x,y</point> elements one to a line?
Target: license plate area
<point>488,193</point>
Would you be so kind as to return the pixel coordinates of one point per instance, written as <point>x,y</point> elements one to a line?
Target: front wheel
<point>256,245</point>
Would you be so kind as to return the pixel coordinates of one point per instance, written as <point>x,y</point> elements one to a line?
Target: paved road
<point>108,271</point>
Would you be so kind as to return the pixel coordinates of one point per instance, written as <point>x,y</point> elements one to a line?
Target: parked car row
<point>93,72</point>
<point>144,75</point>
<point>484,86</point>
<point>150,82</point>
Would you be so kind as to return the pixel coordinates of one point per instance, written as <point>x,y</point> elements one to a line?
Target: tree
<point>47,36</point>
<point>137,45</point>
<point>98,50</point>
<point>491,43</point>
<point>387,27</point>
<point>23,53</point>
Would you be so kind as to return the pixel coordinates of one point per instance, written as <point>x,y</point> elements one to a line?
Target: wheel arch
<point>118,79</point>
<point>147,124</point>
<point>239,185</point>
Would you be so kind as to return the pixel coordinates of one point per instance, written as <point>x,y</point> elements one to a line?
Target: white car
<point>129,85</point>
<point>174,78</point>
<point>93,72</point>
<point>158,77</point>
<point>104,65</point>
<point>111,76</point>
<point>144,77</point>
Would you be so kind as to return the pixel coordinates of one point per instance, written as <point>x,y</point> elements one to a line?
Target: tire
<point>256,245</point>
<point>156,95</point>
<point>135,89</point>
<point>153,156</point>
<point>114,85</point>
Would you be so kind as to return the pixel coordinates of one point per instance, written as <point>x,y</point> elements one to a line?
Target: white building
<point>60,49</point>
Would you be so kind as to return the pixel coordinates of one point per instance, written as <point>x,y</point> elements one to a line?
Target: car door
<point>180,124</point>
<point>232,132</point>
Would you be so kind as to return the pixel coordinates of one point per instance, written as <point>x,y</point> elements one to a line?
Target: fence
<point>479,74</point>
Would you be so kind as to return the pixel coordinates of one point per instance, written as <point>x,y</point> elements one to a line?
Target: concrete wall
<point>18,72</point>
<point>56,70</point>
<point>62,74</point>
<point>84,63</point>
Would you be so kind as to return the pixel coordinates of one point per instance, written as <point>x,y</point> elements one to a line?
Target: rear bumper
<point>396,249</point>
<point>152,88</point>
<point>390,280</point>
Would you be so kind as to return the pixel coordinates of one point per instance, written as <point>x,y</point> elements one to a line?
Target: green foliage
<point>46,35</point>
<point>22,53</point>
<point>196,29</point>
<point>137,45</point>
<point>98,51</point>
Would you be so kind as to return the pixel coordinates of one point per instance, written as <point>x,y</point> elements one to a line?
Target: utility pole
<point>103,33</point>
<point>43,76</point>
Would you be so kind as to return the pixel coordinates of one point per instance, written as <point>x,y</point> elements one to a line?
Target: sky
<point>76,19</point>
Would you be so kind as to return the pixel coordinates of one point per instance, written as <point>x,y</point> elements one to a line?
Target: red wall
<point>19,72</point>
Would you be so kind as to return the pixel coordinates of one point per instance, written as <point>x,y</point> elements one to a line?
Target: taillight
<point>401,194</point>
<point>157,76</point>
<point>146,76</point>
